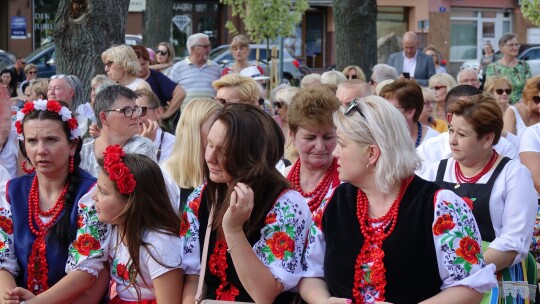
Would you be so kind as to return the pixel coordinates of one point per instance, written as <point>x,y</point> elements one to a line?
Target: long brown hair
<point>253,144</point>
<point>148,208</point>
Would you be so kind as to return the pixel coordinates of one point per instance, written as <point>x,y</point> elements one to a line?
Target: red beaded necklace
<point>217,264</point>
<point>320,190</point>
<point>37,263</point>
<point>461,178</point>
<point>373,229</point>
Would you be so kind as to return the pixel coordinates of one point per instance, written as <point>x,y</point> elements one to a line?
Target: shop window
<point>464,40</point>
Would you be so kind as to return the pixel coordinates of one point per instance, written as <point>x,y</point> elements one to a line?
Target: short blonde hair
<point>444,79</point>
<point>384,126</point>
<point>358,70</point>
<point>186,163</point>
<point>124,56</point>
<point>494,82</point>
<point>310,80</point>
<point>286,95</point>
<point>240,41</point>
<point>39,86</point>
<point>246,88</point>
<point>333,77</point>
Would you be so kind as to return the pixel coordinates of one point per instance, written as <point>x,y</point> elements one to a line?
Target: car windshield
<point>218,51</point>
<point>37,51</point>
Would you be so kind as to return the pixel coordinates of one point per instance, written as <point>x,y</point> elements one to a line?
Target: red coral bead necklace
<point>320,191</point>
<point>461,178</point>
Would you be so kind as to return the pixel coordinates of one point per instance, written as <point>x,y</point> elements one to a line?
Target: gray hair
<point>383,72</point>
<point>507,37</point>
<point>313,79</point>
<point>461,72</point>
<point>107,96</point>
<point>332,77</point>
<point>286,95</point>
<point>385,127</point>
<point>124,56</point>
<point>193,39</point>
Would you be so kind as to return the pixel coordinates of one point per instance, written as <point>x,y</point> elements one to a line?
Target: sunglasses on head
<point>501,91</point>
<point>163,53</point>
<point>354,106</point>
<point>536,100</point>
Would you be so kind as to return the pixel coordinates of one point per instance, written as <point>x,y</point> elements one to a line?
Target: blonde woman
<point>354,72</point>
<point>240,53</point>
<point>164,58</point>
<point>186,164</point>
<point>501,88</point>
<point>440,84</point>
<point>426,118</point>
<point>122,65</point>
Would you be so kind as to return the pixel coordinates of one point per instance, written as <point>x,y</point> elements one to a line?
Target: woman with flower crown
<point>52,244</point>
<point>390,236</point>
<point>145,251</point>
<point>258,225</point>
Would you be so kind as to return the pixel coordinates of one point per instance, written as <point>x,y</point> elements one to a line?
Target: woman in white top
<point>499,190</point>
<point>122,65</point>
<point>525,113</point>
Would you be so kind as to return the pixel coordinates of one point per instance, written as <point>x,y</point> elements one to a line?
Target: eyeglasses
<point>162,53</point>
<point>279,104</point>
<point>536,100</point>
<point>204,46</point>
<point>513,45</point>
<point>223,101</point>
<point>353,77</point>
<point>109,63</point>
<point>144,109</point>
<point>436,88</point>
<point>354,105</point>
<point>129,112</point>
<point>31,72</point>
<point>501,91</point>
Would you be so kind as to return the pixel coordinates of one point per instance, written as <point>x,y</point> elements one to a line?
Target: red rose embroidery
<point>317,218</point>
<point>194,205</point>
<point>6,224</point>
<point>468,250</point>
<point>80,221</point>
<point>122,272</point>
<point>270,218</point>
<point>18,126</point>
<point>443,223</point>
<point>85,243</point>
<point>184,226</point>
<point>54,106</point>
<point>27,108</point>
<point>469,202</point>
<point>72,123</point>
<point>2,245</point>
<point>280,243</point>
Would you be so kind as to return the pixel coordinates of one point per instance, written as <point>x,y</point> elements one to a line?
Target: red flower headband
<point>52,106</point>
<point>117,169</point>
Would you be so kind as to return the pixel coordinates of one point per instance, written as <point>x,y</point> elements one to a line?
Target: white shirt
<point>10,152</point>
<point>409,64</point>
<point>166,146</point>
<point>530,139</point>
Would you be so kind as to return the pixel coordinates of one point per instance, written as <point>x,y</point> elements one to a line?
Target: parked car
<point>44,56</point>
<point>527,52</point>
<point>291,67</point>
<point>6,59</point>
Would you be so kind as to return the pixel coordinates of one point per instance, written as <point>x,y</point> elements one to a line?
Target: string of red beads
<point>217,264</point>
<point>461,178</point>
<point>320,191</point>
<point>373,230</point>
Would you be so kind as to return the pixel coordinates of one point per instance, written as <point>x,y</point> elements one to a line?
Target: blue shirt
<point>162,86</point>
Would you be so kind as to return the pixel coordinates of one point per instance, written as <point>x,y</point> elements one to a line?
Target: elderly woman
<point>185,166</point>
<point>66,88</point>
<point>282,101</point>
<point>258,225</point>
<point>384,215</point>
<point>518,71</point>
<point>500,191</point>
<point>313,134</point>
<point>426,118</point>
<point>432,51</point>
<point>406,95</point>
<point>38,89</point>
<point>440,84</point>
<point>54,246</point>
<point>524,114</point>
<point>333,78</point>
<point>501,88</point>
<point>164,58</point>
<point>233,88</point>
<point>122,66</point>
<point>240,52</point>
<point>354,72</point>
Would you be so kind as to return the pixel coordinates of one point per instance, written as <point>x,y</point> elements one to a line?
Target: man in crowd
<point>411,63</point>
<point>17,71</point>
<point>468,76</point>
<point>348,90</point>
<point>381,72</point>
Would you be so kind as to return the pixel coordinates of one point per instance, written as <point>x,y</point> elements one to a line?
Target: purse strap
<point>200,285</point>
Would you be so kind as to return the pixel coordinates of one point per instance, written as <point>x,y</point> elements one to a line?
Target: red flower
<point>18,125</point>
<point>443,223</point>
<point>468,201</point>
<point>184,226</point>
<point>6,224</point>
<point>54,106</point>
<point>317,218</point>
<point>2,245</point>
<point>27,108</point>
<point>80,221</point>
<point>85,243</point>
<point>270,218</point>
<point>117,170</point>
<point>122,272</point>
<point>468,250</point>
<point>112,155</point>
<point>279,243</point>
<point>126,183</point>
<point>72,123</point>
<point>194,205</point>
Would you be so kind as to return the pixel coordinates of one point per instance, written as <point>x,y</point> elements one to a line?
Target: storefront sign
<point>137,6</point>
<point>18,27</point>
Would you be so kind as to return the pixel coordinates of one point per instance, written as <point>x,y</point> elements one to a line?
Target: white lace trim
<point>515,288</point>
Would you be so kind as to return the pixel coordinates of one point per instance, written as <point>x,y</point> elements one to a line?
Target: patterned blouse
<point>518,75</point>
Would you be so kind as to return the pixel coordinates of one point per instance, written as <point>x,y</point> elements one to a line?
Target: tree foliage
<point>531,11</point>
<point>267,19</point>
<point>157,22</point>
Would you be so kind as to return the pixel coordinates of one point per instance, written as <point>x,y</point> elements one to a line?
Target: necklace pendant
<point>457,186</point>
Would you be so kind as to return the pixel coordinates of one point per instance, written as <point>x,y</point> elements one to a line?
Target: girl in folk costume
<point>53,246</point>
<point>145,250</point>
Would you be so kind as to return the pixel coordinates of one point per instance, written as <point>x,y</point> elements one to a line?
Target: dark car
<point>291,67</point>
<point>44,56</point>
<point>6,59</point>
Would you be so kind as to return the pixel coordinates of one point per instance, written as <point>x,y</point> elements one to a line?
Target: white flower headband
<point>52,106</point>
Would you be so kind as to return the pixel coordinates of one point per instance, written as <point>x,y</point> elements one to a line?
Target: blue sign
<point>442,9</point>
<point>18,27</point>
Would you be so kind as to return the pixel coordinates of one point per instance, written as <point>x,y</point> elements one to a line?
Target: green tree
<point>157,22</point>
<point>356,34</point>
<point>83,30</point>
<point>531,11</point>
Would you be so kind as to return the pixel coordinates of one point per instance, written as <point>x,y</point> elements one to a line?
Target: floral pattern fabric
<point>282,239</point>
<point>518,75</point>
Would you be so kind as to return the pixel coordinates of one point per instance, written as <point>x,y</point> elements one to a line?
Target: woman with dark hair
<point>53,245</point>
<point>7,80</point>
<point>259,225</point>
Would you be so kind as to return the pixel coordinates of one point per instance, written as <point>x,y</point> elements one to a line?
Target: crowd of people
<point>183,182</point>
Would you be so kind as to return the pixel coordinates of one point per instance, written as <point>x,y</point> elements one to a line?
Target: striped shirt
<point>197,81</point>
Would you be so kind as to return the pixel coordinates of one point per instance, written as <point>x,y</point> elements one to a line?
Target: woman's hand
<point>239,211</point>
<point>149,128</point>
<point>14,296</point>
<point>94,130</point>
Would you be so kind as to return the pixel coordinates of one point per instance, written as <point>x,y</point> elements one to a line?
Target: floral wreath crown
<point>52,106</point>
<point>117,170</point>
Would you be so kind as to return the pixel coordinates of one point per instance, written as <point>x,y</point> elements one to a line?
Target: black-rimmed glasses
<point>354,105</point>
<point>109,63</point>
<point>144,109</point>
<point>129,112</point>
